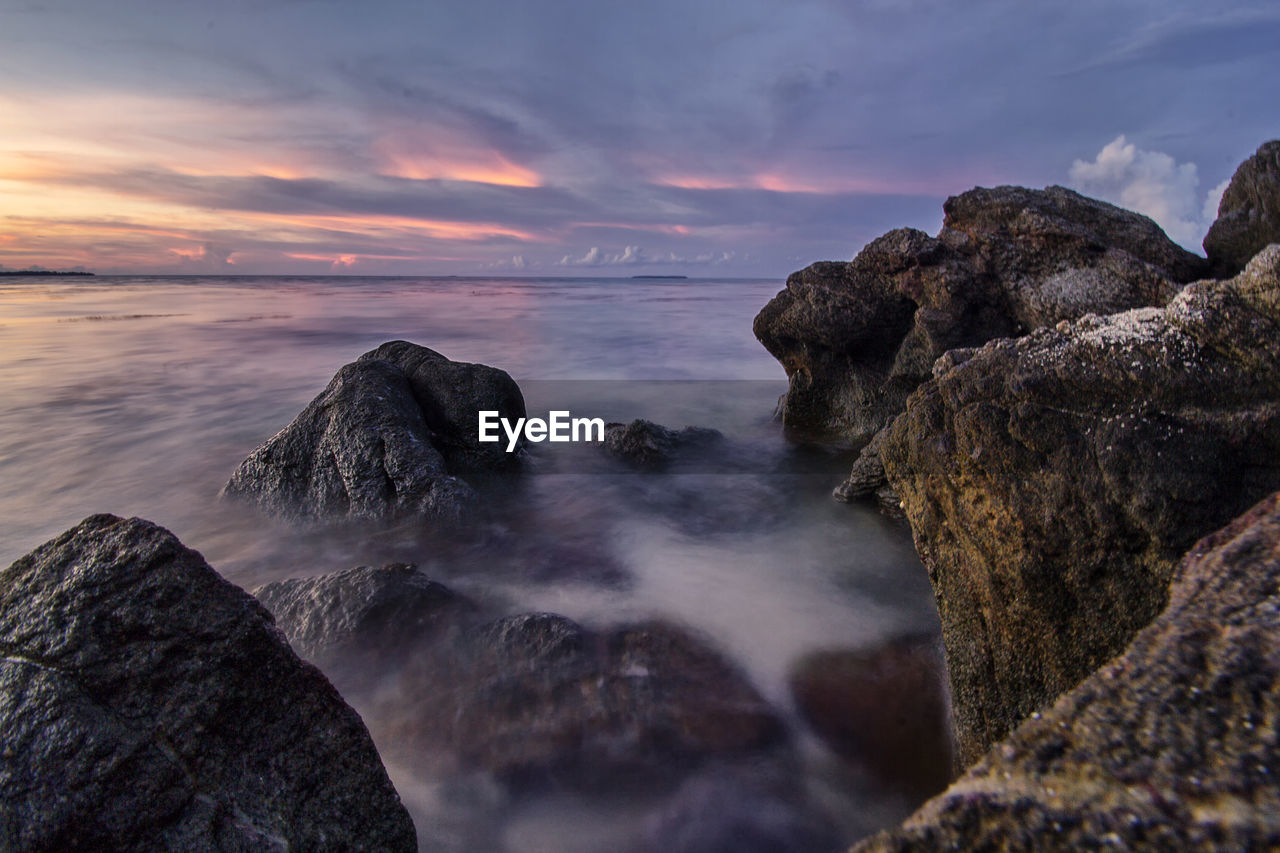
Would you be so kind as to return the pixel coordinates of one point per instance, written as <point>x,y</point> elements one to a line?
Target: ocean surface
<point>140,395</point>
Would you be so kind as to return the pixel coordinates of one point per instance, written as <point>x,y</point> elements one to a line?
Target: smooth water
<point>139,396</point>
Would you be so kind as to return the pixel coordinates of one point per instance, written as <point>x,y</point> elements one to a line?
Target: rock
<point>149,704</point>
<point>1249,213</point>
<point>1052,482</point>
<point>389,437</point>
<point>867,475</point>
<point>1170,746</point>
<point>538,697</point>
<point>740,810</point>
<point>362,612</point>
<point>649,446</point>
<point>857,338</point>
<point>884,709</point>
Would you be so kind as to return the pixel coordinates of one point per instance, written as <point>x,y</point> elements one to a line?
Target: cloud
<point>636,256</point>
<point>1152,183</point>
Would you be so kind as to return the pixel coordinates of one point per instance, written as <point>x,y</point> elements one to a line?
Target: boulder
<point>148,704</point>
<point>649,447</point>
<point>537,697</point>
<point>391,436</point>
<point>1249,213</point>
<point>1170,746</point>
<point>856,338</point>
<point>360,613</point>
<point>883,709</point>
<point>1053,481</point>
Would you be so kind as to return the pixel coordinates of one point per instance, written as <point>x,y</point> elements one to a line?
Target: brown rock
<point>1170,746</point>
<point>1052,482</point>
<point>1249,213</point>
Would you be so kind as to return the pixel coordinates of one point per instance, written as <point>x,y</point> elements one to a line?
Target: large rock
<point>538,697</point>
<point>884,709</point>
<point>392,435</point>
<point>1249,213</point>
<point>1171,746</point>
<point>857,338</point>
<point>148,704</point>
<point>1052,482</point>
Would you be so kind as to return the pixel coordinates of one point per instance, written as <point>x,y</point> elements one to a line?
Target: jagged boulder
<point>1249,213</point>
<point>1053,481</point>
<point>857,338</point>
<point>650,447</point>
<point>392,435</point>
<point>148,704</point>
<point>1170,746</point>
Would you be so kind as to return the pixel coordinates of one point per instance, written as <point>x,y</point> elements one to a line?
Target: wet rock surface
<point>1249,213</point>
<point>1170,746</point>
<point>149,704</point>
<point>1053,482</point>
<point>856,338</point>
<point>392,435</point>
<point>883,709</point>
<point>651,447</point>
<point>534,697</point>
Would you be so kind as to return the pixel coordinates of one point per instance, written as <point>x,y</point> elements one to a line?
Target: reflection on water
<point>139,396</point>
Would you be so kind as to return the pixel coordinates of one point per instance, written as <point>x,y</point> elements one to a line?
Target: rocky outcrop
<point>1249,213</point>
<point>650,447</point>
<point>1170,746</point>
<point>1052,482</point>
<point>392,435</point>
<point>148,704</point>
<point>883,709</point>
<point>857,338</point>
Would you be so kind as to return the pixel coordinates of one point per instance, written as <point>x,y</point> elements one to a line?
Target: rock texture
<point>649,446</point>
<point>147,704</point>
<point>884,709</point>
<point>390,436</point>
<point>1171,746</point>
<point>360,613</point>
<point>1052,482</point>
<point>538,697</point>
<point>1249,213</point>
<point>856,338</point>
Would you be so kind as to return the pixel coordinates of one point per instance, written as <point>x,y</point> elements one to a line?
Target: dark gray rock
<point>1170,746</point>
<point>1053,482</point>
<point>649,446</point>
<point>857,338</point>
<point>148,704</point>
<point>387,438</point>
<point>362,612</point>
<point>1249,213</point>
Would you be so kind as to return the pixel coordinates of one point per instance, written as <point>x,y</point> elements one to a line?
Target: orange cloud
<point>422,157</point>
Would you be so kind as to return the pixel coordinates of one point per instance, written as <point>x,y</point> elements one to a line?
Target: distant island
<point>41,272</point>
<point>661,276</point>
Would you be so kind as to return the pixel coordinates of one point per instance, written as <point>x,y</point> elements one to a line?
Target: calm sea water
<point>139,396</point>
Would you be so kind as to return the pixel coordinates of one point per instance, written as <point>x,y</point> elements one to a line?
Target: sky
<point>566,137</point>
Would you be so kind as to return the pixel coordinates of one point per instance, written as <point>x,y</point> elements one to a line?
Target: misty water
<point>140,396</point>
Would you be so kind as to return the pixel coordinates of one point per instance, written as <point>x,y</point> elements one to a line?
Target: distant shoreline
<point>668,277</point>
<point>40,272</point>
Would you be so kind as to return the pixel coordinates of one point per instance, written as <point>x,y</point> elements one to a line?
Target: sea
<point>139,396</point>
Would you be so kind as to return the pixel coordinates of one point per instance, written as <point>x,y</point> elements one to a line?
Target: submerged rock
<point>538,697</point>
<point>884,709</point>
<point>857,338</point>
<point>362,612</point>
<point>390,436</point>
<point>148,704</point>
<point>1249,213</point>
<point>1170,746</point>
<point>1052,482</point>
<point>650,446</point>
